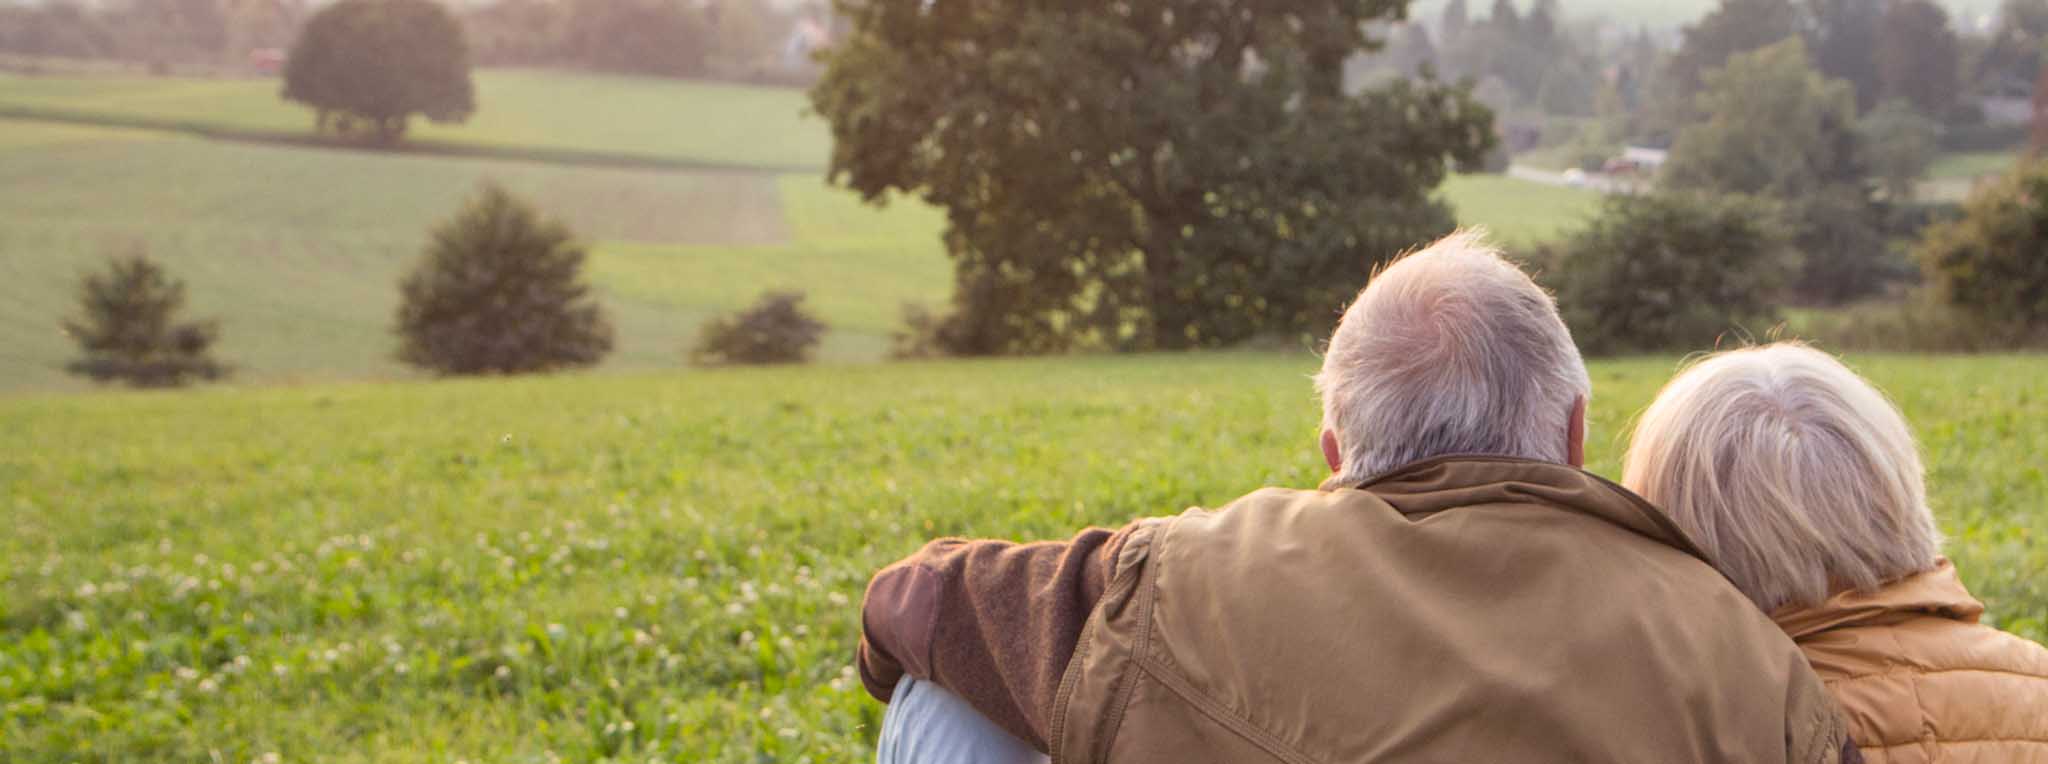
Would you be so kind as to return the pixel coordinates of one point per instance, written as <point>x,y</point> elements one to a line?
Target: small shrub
<point>128,333</point>
<point>1992,263</point>
<point>1670,271</point>
<point>500,291</point>
<point>776,329</point>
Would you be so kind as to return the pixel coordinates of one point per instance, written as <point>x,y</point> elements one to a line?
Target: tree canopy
<point>1148,174</point>
<point>1773,126</point>
<point>1917,57</point>
<point>368,66</point>
<point>127,328</point>
<point>500,291</point>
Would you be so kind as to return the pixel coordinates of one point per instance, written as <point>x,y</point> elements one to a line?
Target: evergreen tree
<point>128,331</point>
<point>500,291</point>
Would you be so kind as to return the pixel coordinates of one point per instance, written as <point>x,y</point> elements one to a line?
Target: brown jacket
<point>1919,680</point>
<point>1462,609</point>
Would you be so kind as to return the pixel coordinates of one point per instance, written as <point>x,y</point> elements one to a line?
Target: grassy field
<point>631,116</point>
<point>1973,165</point>
<point>1519,212</point>
<point>298,251</point>
<point>666,567</point>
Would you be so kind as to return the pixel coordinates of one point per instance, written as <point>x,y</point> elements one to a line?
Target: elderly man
<point>1459,590</point>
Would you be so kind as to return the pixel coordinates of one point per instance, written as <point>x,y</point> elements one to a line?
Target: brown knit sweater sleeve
<point>995,622</point>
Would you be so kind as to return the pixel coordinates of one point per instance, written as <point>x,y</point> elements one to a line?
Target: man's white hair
<point>1449,350</point>
<point>1794,475</point>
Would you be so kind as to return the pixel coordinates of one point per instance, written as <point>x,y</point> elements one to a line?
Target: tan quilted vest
<point>1919,680</point>
<point>1457,610</point>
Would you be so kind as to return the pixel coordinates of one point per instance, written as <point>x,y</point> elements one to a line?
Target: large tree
<point>1774,127</point>
<point>1845,37</point>
<point>1149,174</point>
<point>368,66</point>
<point>1917,56</point>
<point>1734,27</point>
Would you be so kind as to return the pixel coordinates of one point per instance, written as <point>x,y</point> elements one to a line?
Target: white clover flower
<point>735,608</point>
<point>556,631</point>
<point>280,669</point>
<point>619,613</point>
<point>208,685</point>
<point>87,590</point>
<point>503,672</point>
<point>269,758</point>
<point>838,599</point>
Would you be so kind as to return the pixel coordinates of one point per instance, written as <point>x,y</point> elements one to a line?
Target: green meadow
<point>654,119</point>
<point>631,567</point>
<point>297,249</point>
<point>332,559</point>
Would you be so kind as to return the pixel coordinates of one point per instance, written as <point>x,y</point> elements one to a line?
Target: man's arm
<point>995,622</point>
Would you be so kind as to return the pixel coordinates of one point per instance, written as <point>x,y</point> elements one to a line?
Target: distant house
<point>1644,159</point>
<point>266,60</point>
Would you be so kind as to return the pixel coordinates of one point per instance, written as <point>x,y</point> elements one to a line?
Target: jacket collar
<point>1449,482</point>
<point>1936,593</point>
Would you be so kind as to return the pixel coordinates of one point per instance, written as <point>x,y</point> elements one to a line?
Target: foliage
<point>1917,57</point>
<point>255,227</point>
<point>1669,272</point>
<point>498,571</point>
<point>2012,60</point>
<point>1773,126</point>
<point>127,328</point>
<point>1123,176</point>
<point>776,329</point>
<point>1846,39</point>
<point>369,65</point>
<point>1901,145</point>
<point>500,292</point>
<point>1733,28</point>
<point>1919,321</point>
<point>1992,263</point>
<point>1843,253</point>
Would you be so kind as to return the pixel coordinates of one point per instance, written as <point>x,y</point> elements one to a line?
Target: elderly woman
<point>1802,483</point>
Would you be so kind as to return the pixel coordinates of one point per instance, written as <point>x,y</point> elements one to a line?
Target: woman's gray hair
<point>1792,473</point>
<point>1449,350</point>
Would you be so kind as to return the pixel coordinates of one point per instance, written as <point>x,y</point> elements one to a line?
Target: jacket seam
<point>1926,726</point>
<point>1266,741</point>
<point>1070,680</point>
<point>1939,742</point>
<point>1908,672</point>
<point>1127,683</point>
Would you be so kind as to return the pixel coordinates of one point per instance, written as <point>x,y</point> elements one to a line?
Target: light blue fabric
<point>925,724</point>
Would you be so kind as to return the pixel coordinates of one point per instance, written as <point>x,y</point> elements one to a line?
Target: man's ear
<point>1575,434</point>
<point>1331,455</point>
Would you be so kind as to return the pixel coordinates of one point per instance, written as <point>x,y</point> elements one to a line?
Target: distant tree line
<point>743,39</point>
